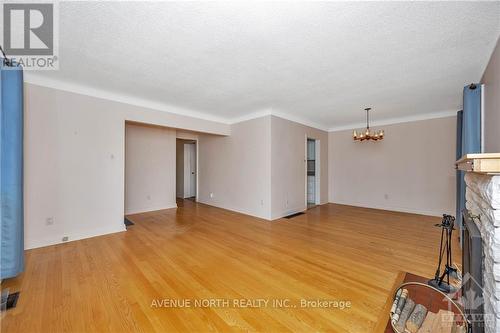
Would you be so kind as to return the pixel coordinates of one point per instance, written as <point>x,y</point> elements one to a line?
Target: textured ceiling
<point>322,62</point>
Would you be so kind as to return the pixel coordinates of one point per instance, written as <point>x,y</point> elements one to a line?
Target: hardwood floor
<point>116,282</point>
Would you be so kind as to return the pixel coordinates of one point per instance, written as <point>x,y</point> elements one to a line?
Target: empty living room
<point>250,166</point>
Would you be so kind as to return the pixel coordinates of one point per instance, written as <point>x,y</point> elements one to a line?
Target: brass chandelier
<point>367,134</point>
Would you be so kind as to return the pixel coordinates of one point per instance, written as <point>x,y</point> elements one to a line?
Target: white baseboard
<point>148,209</point>
<point>57,239</point>
<point>294,211</point>
<point>268,218</point>
<point>288,212</point>
<point>394,208</point>
<point>237,210</point>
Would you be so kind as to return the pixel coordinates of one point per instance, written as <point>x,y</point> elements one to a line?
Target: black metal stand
<point>445,245</point>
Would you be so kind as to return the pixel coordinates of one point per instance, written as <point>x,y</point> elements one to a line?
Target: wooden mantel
<point>480,163</point>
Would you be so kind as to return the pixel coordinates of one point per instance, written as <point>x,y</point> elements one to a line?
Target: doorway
<point>312,173</point>
<point>186,169</point>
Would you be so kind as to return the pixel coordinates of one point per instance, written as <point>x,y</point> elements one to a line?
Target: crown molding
<point>398,120</point>
<point>117,97</point>
<point>299,120</point>
<point>251,116</point>
<point>280,114</point>
<point>81,89</point>
<point>86,90</point>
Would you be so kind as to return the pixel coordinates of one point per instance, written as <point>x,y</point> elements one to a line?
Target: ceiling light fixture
<point>367,134</point>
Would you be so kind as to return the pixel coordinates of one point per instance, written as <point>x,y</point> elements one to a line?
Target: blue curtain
<point>460,197</point>
<point>471,127</point>
<point>11,171</point>
<point>468,138</point>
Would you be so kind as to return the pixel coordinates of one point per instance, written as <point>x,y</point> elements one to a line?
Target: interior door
<point>189,170</point>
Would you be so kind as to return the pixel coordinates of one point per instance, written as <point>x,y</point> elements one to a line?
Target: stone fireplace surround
<point>483,203</point>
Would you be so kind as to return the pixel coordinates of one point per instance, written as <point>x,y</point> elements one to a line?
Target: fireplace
<point>481,252</point>
<point>472,273</point>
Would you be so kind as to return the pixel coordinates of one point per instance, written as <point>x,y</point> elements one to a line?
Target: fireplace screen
<point>472,278</point>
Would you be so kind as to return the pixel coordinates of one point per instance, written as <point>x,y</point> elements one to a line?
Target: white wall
<point>288,158</point>
<point>260,169</point>
<point>74,162</point>
<point>237,168</point>
<point>411,170</point>
<point>491,79</point>
<point>149,168</point>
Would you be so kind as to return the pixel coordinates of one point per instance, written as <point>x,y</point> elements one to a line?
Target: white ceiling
<point>317,62</point>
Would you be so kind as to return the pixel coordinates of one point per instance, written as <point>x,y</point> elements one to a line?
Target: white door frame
<point>196,142</point>
<point>317,173</point>
<point>317,169</point>
<point>197,162</point>
<point>197,170</point>
<point>187,169</point>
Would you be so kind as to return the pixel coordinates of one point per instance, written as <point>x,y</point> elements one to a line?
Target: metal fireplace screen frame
<point>472,272</point>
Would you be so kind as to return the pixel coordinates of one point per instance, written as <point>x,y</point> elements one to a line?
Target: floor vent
<point>293,215</point>
<point>128,222</point>
<point>9,301</point>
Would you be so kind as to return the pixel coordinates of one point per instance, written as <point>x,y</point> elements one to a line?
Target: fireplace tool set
<point>447,227</point>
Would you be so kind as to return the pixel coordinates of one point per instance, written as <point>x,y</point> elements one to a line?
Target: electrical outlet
<point>386,196</point>
<point>49,221</point>
<point>211,194</point>
<point>262,202</point>
<point>65,238</point>
<point>149,197</point>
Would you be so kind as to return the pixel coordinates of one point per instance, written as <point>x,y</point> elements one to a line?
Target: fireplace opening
<point>472,273</point>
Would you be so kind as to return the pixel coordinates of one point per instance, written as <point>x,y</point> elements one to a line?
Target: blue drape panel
<point>460,197</point>
<point>471,125</point>
<point>458,155</point>
<point>11,172</point>
<point>468,137</point>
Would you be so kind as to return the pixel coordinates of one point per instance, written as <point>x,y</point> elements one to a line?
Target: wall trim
<point>398,120</point>
<point>280,114</point>
<point>284,213</point>
<point>149,209</point>
<point>236,210</point>
<point>37,243</point>
<point>118,97</point>
<point>82,89</point>
<point>393,208</point>
<point>299,120</point>
<point>251,116</point>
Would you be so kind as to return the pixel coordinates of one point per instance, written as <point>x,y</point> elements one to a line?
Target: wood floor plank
<point>334,253</point>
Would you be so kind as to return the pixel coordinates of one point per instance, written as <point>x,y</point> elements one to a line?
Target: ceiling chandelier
<point>366,134</point>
